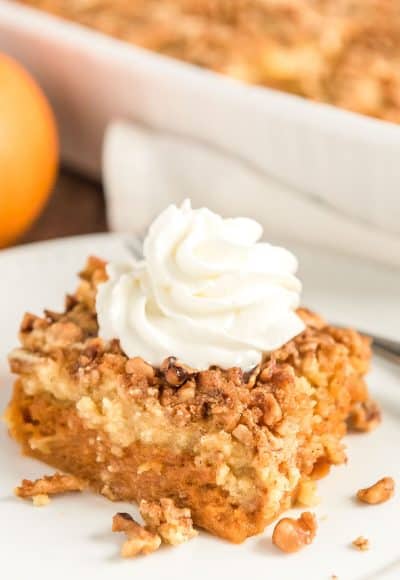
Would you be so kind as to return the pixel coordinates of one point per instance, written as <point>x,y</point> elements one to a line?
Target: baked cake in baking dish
<point>237,429</point>
<point>343,52</point>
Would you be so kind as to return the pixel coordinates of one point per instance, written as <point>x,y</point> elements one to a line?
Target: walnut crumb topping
<point>291,535</point>
<point>174,524</point>
<point>49,485</point>
<point>361,544</point>
<point>139,539</point>
<point>379,492</point>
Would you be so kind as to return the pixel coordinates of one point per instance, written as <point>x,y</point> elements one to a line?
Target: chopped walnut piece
<point>174,524</point>
<point>361,544</point>
<point>40,500</point>
<point>175,373</point>
<point>321,468</point>
<point>379,492</point>
<point>290,535</point>
<point>30,322</point>
<point>187,391</point>
<point>49,484</point>
<point>307,493</point>
<point>243,434</point>
<point>140,540</point>
<point>272,412</point>
<point>250,377</point>
<point>53,316</point>
<point>62,334</point>
<point>365,416</point>
<point>70,302</point>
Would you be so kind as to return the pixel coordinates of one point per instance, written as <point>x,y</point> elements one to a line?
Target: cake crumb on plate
<point>49,485</point>
<point>362,544</point>
<point>139,540</point>
<point>173,524</point>
<point>40,500</point>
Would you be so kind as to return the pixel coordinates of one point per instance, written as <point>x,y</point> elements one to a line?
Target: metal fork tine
<point>387,348</point>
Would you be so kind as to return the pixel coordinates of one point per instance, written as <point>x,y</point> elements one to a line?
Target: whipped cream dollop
<point>207,292</point>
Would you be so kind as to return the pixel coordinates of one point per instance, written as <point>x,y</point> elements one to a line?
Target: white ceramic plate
<point>71,537</point>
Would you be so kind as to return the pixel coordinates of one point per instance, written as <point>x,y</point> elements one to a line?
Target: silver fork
<point>386,347</point>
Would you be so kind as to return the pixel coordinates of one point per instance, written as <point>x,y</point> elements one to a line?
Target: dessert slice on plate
<point>192,375</point>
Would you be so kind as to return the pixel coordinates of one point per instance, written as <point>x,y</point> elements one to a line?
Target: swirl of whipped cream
<point>207,292</point>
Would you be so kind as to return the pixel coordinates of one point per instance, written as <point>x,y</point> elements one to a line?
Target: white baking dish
<point>347,160</point>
